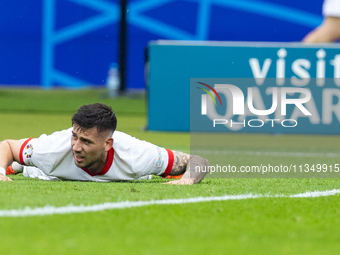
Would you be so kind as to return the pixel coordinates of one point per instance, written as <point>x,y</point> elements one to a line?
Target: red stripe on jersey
<point>21,157</point>
<point>170,163</point>
<point>107,166</point>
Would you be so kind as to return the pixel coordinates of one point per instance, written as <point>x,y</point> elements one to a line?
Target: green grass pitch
<point>279,225</point>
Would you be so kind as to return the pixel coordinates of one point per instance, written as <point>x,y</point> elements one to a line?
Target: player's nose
<point>76,146</point>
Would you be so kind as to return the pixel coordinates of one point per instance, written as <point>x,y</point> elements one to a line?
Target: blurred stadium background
<point>71,43</point>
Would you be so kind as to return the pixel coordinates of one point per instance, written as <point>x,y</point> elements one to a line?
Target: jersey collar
<point>107,166</point>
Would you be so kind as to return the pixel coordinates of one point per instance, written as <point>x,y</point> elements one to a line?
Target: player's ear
<point>108,143</point>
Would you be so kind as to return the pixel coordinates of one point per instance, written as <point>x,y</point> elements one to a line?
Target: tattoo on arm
<point>186,164</point>
<point>181,161</point>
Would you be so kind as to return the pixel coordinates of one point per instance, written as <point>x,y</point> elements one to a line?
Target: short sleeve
<point>46,151</point>
<point>170,163</point>
<point>138,158</point>
<point>154,160</point>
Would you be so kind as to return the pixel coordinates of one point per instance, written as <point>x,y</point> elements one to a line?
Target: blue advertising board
<point>178,68</point>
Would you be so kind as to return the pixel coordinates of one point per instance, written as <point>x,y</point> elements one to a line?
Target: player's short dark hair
<point>95,115</point>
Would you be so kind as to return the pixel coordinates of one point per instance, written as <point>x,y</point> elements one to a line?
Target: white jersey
<point>128,159</point>
<point>331,8</point>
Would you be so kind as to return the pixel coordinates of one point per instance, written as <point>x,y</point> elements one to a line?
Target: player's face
<point>90,148</point>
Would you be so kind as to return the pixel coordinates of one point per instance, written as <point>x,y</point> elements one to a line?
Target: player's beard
<point>88,166</point>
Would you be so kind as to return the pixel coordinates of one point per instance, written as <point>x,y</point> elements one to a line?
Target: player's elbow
<point>199,160</point>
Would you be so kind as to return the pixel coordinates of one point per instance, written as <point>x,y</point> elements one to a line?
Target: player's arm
<point>193,168</point>
<point>9,152</point>
<point>327,32</point>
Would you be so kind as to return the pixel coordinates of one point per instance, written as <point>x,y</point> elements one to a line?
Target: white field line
<point>268,153</point>
<point>50,210</point>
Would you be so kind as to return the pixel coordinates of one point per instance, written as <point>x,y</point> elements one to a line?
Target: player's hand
<point>182,181</point>
<point>5,178</point>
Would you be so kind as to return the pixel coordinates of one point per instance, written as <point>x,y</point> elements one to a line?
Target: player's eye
<point>87,142</point>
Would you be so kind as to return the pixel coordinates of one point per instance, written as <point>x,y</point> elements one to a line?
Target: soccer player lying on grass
<point>92,150</point>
